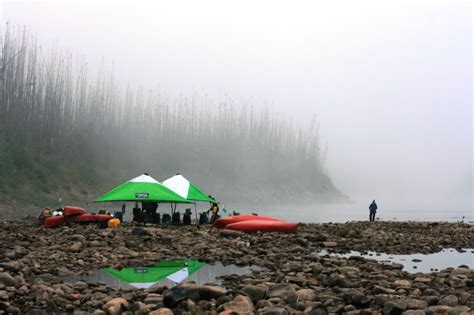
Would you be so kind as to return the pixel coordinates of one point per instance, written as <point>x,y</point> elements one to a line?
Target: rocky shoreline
<point>292,279</point>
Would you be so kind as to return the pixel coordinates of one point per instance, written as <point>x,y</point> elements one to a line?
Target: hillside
<point>65,135</point>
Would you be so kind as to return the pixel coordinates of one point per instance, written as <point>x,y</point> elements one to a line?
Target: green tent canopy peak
<point>186,189</point>
<point>142,188</point>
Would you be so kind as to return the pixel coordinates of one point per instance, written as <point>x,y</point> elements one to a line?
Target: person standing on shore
<point>373,211</point>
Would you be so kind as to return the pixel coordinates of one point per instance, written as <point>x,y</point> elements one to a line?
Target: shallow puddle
<point>419,262</point>
<point>208,273</point>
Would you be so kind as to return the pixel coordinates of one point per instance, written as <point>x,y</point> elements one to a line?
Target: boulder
<point>280,290</point>
<point>450,300</point>
<point>356,298</point>
<point>8,280</point>
<point>174,296</point>
<point>306,295</point>
<point>204,292</point>
<point>240,304</point>
<point>138,231</point>
<point>416,304</point>
<point>161,311</point>
<point>76,247</point>
<point>230,233</point>
<point>402,283</point>
<point>274,310</point>
<point>256,292</point>
<point>395,307</point>
<point>414,312</point>
<point>437,309</point>
<point>461,271</point>
<point>153,298</point>
<point>423,279</point>
<point>115,306</point>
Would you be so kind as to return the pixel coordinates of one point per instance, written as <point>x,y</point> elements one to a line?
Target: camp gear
<point>119,215</point>
<point>203,218</point>
<point>221,223</point>
<point>166,218</point>
<point>138,231</point>
<point>187,218</point>
<point>176,218</point>
<point>142,188</point>
<point>263,226</point>
<point>46,213</point>
<point>214,218</point>
<point>138,215</point>
<point>113,223</point>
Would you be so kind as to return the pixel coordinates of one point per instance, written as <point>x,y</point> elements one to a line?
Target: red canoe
<point>79,218</point>
<point>263,226</point>
<point>223,222</point>
<point>72,210</point>
<point>89,217</point>
<point>54,221</point>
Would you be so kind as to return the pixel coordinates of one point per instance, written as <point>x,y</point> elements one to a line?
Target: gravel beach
<point>292,278</point>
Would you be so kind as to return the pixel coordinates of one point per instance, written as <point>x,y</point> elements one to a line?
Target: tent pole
<point>196,212</point>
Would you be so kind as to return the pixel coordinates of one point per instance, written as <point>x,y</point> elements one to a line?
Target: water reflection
<point>419,262</point>
<point>209,273</point>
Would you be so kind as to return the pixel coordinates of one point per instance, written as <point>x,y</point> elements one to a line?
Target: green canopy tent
<point>143,188</point>
<point>184,188</point>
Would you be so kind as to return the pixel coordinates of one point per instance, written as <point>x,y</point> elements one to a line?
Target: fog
<point>390,83</point>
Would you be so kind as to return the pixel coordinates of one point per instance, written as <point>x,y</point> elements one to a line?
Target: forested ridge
<point>67,133</point>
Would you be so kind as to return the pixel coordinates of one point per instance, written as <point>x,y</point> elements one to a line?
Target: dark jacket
<point>373,206</point>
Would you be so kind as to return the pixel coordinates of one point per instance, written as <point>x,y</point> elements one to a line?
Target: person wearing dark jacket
<point>373,211</point>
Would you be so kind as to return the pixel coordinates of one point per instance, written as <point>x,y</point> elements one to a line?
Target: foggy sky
<point>390,83</point>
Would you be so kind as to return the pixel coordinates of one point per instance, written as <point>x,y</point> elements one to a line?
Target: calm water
<point>351,211</point>
<point>430,262</point>
<point>308,213</point>
<point>209,273</point>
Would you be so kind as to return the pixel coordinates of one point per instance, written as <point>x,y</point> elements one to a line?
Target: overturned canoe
<point>72,210</point>
<point>223,222</point>
<point>54,221</point>
<point>89,217</point>
<point>78,218</point>
<point>263,226</point>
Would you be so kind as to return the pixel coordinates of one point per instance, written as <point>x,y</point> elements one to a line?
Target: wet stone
<point>450,300</point>
<point>256,292</point>
<point>274,310</point>
<point>394,307</point>
<point>174,296</point>
<point>281,290</point>
<point>8,280</point>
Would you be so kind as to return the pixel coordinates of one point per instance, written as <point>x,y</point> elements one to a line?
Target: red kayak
<point>263,226</point>
<point>78,218</point>
<point>54,221</point>
<point>72,210</point>
<point>223,222</point>
<point>89,217</point>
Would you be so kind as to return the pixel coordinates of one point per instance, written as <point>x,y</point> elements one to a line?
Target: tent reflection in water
<point>166,272</point>
<point>184,188</point>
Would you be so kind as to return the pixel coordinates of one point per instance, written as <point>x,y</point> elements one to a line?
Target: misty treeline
<point>55,109</point>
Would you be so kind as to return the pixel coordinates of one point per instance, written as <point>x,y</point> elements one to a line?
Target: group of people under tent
<point>148,214</point>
